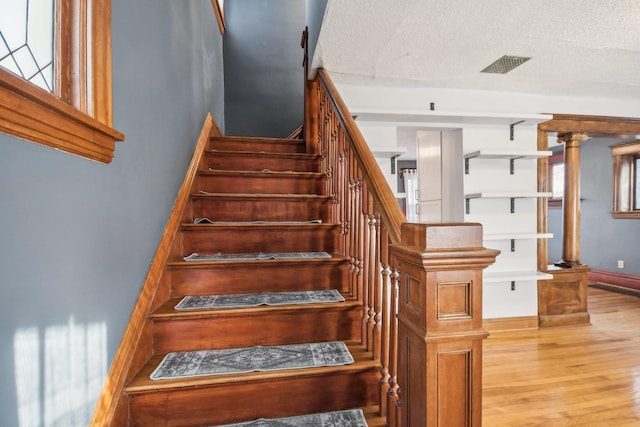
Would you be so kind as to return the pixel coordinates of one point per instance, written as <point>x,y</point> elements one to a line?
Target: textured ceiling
<point>578,47</point>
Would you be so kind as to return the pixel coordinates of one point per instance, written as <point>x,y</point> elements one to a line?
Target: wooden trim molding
<point>219,15</point>
<point>624,179</point>
<point>32,114</point>
<point>123,366</point>
<point>78,118</point>
<point>613,278</point>
<point>508,324</point>
<point>591,124</point>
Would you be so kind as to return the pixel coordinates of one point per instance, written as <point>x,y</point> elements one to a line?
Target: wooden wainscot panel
<point>562,301</point>
<point>454,385</point>
<point>454,300</point>
<point>413,297</point>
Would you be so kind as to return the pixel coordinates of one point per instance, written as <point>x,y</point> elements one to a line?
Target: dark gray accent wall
<point>603,239</point>
<point>77,237</point>
<point>315,16</point>
<point>264,86</point>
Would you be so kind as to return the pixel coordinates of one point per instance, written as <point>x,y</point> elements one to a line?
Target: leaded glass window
<point>26,40</point>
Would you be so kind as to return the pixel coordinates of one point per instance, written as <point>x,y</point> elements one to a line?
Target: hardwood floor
<point>574,376</point>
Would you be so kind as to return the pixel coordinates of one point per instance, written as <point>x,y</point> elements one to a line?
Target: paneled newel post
<point>440,323</point>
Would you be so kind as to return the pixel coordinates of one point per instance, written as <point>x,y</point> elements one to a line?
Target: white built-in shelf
<point>388,151</point>
<point>502,195</point>
<point>511,155</point>
<point>511,236</point>
<point>516,236</point>
<point>393,115</point>
<point>506,195</point>
<point>513,276</point>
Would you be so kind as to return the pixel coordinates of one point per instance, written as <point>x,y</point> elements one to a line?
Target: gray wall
<point>78,236</point>
<point>604,240</point>
<point>264,83</point>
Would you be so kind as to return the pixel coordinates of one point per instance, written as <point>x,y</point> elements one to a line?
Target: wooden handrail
<point>420,285</point>
<point>376,182</point>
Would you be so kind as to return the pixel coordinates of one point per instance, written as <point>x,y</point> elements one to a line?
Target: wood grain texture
<point>503,324</point>
<point>197,401</point>
<point>229,328</point>
<point>562,301</point>
<point>213,238</point>
<point>579,376</point>
<point>78,120</point>
<point>440,323</point>
<point>591,124</point>
<point>137,332</point>
<point>542,203</point>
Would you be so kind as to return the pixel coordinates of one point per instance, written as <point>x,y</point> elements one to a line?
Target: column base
<point>562,301</point>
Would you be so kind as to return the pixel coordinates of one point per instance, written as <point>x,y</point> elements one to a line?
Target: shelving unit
<point>517,236</point>
<point>500,169</point>
<point>512,156</point>
<point>513,276</point>
<point>502,195</point>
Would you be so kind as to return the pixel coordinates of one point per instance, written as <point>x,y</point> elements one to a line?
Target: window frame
<point>625,157</point>
<point>217,7</point>
<point>554,159</point>
<point>77,117</point>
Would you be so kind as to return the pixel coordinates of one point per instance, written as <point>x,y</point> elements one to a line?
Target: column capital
<point>572,139</point>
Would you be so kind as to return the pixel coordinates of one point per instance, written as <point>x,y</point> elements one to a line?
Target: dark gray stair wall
<point>263,64</point>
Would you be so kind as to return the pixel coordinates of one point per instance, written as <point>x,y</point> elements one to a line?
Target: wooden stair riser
<point>266,145</point>
<point>274,397</point>
<point>223,160</point>
<point>264,276</point>
<point>237,239</point>
<point>260,209</point>
<point>265,183</point>
<point>261,326</point>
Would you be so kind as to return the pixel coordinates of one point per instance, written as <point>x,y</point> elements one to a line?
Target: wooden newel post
<point>440,323</point>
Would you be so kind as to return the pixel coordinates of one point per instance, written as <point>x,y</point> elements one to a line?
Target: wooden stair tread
<point>372,416</point>
<point>259,196</point>
<point>188,226</point>
<point>182,263</point>
<point>167,310</point>
<point>260,154</point>
<point>142,383</point>
<point>261,173</point>
<point>252,139</point>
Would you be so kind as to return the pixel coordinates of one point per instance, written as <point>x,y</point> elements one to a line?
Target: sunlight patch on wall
<point>59,373</point>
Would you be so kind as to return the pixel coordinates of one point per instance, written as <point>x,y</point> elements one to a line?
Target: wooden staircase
<point>262,195</point>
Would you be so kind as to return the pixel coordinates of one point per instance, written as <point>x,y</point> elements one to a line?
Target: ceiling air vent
<point>505,64</point>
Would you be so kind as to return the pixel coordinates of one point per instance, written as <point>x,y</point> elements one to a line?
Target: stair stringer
<point>136,345</point>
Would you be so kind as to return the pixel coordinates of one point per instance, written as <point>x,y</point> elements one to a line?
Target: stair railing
<point>420,285</point>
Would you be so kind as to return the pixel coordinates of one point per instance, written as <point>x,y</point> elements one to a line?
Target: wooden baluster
<point>361,239</point>
<point>372,273</point>
<point>353,240</point>
<point>357,221</point>
<point>385,312</point>
<point>393,409</point>
<point>331,156</point>
<point>365,265</point>
<point>377,295</point>
<point>343,182</point>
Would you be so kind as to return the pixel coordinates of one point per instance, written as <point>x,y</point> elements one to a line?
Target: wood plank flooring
<point>579,376</point>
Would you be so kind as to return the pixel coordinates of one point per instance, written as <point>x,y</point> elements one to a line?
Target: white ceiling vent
<point>505,64</point>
